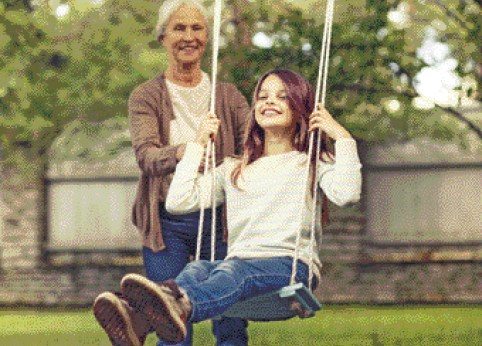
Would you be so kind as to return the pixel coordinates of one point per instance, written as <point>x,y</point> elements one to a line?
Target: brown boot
<point>165,307</point>
<point>123,325</point>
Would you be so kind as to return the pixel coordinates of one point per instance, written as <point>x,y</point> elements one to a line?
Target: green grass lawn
<point>451,325</point>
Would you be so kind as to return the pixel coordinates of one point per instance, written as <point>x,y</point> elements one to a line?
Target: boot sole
<point>115,320</point>
<point>147,297</point>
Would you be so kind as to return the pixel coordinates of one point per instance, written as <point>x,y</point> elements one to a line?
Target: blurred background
<point>405,78</point>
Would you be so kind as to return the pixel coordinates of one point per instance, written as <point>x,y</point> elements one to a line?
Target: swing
<point>295,299</point>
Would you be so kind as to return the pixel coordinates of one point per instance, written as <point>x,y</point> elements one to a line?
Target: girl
<point>263,192</point>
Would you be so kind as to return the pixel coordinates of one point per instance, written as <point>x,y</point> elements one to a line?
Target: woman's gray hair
<point>169,7</point>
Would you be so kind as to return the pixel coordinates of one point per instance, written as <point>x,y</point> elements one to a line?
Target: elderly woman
<point>165,113</point>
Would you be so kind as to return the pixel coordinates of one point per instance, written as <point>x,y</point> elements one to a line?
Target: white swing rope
<point>202,207</point>
<point>211,149</point>
<point>323,73</point>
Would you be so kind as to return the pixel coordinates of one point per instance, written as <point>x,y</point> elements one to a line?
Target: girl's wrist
<point>340,134</point>
<point>194,150</point>
<point>199,142</point>
<point>181,149</point>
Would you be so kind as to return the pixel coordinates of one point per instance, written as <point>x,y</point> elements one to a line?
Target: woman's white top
<point>264,216</point>
<point>190,105</point>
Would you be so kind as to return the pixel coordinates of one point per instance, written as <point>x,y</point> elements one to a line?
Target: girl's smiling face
<point>272,110</point>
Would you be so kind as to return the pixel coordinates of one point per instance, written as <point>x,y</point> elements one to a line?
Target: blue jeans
<point>180,236</point>
<point>213,287</point>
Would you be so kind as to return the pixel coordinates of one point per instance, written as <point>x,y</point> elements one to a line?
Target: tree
<point>374,62</point>
<point>81,59</point>
<point>55,70</point>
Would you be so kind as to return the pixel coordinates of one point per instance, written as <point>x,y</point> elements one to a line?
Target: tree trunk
<point>244,32</point>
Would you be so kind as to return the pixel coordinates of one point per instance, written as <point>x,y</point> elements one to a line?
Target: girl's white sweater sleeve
<point>188,189</point>
<point>341,181</point>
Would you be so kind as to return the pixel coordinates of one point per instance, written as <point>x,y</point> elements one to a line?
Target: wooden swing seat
<point>275,306</point>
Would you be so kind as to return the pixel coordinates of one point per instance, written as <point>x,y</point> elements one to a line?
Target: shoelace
<point>171,284</point>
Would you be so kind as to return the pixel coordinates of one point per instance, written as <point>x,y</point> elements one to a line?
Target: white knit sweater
<point>188,113</point>
<point>264,216</point>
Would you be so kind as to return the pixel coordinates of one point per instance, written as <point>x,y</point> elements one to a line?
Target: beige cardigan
<point>150,113</point>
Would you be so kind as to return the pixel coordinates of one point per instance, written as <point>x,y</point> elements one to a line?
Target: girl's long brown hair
<point>301,100</point>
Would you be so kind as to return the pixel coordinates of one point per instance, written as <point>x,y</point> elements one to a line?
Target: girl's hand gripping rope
<point>321,119</point>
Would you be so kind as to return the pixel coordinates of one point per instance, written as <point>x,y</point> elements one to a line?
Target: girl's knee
<point>229,266</point>
<point>197,266</point>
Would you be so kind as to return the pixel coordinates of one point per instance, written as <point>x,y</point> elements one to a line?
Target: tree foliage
<point>373,62</point>
<point>57,67</point>
<point>56,70</point>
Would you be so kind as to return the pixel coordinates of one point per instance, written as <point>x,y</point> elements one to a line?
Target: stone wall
<point>354,269</point>
<point>20,237</point>
<point>340,253</point>
<point>66,286</point>
<point>32,275</point>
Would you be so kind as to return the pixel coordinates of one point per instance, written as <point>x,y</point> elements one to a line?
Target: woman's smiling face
<point>186,35</point>
<point>272,109</point>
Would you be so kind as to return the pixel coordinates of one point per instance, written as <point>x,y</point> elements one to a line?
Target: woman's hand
<point>208,129</point>
<point>321,119</point>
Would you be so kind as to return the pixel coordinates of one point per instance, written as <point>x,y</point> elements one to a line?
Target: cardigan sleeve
<point>341,180</point>
<point>153,156</point>
<point>189,190</point>
<point>241,113</point>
